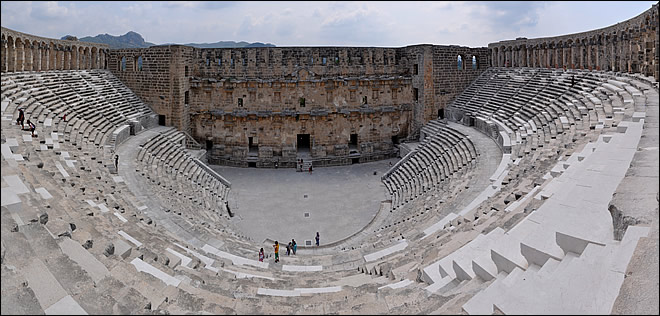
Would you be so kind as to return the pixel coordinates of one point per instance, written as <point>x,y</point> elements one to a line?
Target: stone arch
<point>475,64</point>
<point>303,73</point>
<point>36,55</point>
<point>493,57</point>
<point>94,58</point>
<point>28,56</point>
<point>3,54</point>
<point>81,58</point>
<point>459,62</point>
<point>20,54</point>
<point>568,51</point>
<point>67,57</point>
<point>51,56</point>
<point>86,58</point>
<point>501,61</point>
<point>43,47</point>
<point>522,50</point>
<point>74,57</point>
<point>582,50</point>
<point>11,53</point>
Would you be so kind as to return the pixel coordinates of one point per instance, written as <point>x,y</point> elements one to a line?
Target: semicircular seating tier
<point>533,240</point>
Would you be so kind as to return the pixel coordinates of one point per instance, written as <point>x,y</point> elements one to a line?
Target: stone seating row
<point>442,153</point>
<point>143,259</point>
<point>175,168</point>
<point>464,271</point>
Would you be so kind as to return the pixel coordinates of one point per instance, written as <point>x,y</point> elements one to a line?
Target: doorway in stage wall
<point>161,120</point>
<point>302,142</point>
<point>441,113</point>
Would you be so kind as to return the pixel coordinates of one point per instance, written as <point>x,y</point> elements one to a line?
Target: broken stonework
<point>109,250</point>
<point>43,218</point>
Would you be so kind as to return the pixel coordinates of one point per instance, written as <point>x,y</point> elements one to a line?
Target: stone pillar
<point>11,56</point>
<point>514,57</point>
<point>20,55</point>
<point>3,56</point>
<point>612,53</point>
<point>597,53</point>
<point>527,57</point>
<point>37,57</point>
<point>28,57</point>
<point>52,57</point>
<point>59,63</point>
<point>74,58</point>
<point>67,58</point>
<point>94,55</point>
<point>493,57</point>
<point>45,51</point>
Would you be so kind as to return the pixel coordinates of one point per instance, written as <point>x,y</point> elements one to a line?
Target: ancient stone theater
<point>517,178</point>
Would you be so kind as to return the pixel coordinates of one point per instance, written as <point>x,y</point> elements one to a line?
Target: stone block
<point>173,260</point>
<point>122,248</point>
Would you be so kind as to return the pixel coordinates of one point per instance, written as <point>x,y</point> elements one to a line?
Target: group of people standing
<point>292,247</point>
<point>301,164</point>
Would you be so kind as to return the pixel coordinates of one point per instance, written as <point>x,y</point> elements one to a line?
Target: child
<point>32,127</point>
<point>277,251</point>
<point>261,255</point>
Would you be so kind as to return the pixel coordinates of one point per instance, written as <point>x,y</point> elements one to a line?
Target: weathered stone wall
<point>266,84</point>
<point>629,46</point>
<point>222,97</point>
<point>25,52</point>
<point>161,81</point>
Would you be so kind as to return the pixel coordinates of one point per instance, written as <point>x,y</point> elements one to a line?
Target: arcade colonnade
<point>24,52</point>
<point>630,46</point>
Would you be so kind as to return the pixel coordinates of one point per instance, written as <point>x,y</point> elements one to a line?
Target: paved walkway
<point>282,204</point>
<point>272,203</point>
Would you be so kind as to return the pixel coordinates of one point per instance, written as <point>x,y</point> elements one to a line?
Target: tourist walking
<point>317,239</point>
<point>261,255</point>
<point>31,127</point>
<point>294,245</point>
<point>288,249</point>
<point>21,117</point>
<point>117,163</point>
<point>277,251</point>
<point>310,169</point>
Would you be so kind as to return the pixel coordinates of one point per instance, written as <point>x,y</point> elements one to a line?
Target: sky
<point>371,23</point>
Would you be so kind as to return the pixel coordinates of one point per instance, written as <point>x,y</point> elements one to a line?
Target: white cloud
<point>391,24</point>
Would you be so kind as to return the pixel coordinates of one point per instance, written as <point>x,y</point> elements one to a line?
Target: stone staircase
<point>541,242</point>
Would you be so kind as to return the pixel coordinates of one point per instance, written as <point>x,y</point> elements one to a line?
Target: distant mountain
<point>128,40</point>
<point>69,38</point>
<point>135,40</point>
